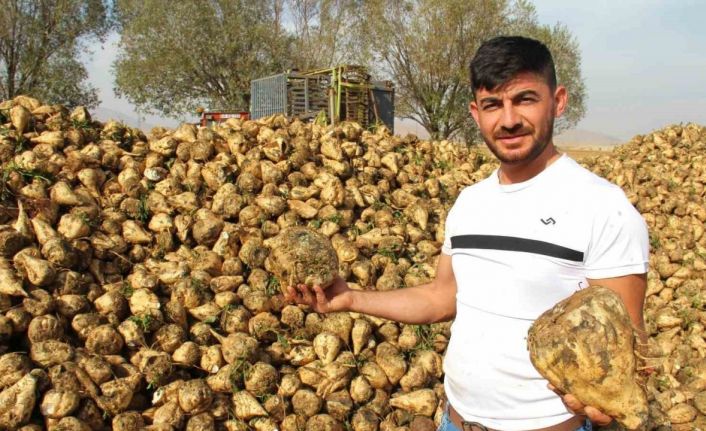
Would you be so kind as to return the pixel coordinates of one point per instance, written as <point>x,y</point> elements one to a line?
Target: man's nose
<point>510,118</point>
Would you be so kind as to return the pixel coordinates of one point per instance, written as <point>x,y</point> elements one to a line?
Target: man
<point>535,231</point>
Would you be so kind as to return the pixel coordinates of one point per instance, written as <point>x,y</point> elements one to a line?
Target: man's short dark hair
<point>500,59</point>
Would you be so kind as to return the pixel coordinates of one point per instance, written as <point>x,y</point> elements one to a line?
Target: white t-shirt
<point>516,251</point>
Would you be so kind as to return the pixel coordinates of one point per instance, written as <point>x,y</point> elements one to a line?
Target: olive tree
<point>425,47</point>
<point>41,42</point>
<point>176,56</point>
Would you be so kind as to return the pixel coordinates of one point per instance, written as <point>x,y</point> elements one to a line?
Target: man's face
<point>516,119</point>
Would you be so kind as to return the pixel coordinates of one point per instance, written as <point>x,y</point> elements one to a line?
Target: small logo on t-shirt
<point>548,221</point>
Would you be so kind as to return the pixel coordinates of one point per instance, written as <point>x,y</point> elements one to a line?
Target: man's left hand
<point>576,407</point>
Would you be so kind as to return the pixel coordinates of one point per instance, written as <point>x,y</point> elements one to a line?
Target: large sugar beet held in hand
<point>584,346</point>
<point>300,255</point>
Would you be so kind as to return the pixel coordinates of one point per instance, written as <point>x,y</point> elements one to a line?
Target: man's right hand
<point>426,303</point>
<point>337,297</point>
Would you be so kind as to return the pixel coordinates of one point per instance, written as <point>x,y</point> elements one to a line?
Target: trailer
<point>342,93</point>
<point>209,118</point>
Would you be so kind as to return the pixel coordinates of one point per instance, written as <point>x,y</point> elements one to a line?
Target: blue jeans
<point>447,425</point>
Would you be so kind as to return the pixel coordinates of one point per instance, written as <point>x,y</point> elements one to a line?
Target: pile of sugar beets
<point>664,175</point>
<point>135,290</point>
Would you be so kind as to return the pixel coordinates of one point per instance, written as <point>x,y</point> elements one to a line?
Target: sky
<point>643,63</point>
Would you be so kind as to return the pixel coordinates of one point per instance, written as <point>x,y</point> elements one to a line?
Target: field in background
<point>577,153</point>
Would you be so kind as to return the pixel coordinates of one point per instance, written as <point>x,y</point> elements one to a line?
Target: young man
<point>538,229</point>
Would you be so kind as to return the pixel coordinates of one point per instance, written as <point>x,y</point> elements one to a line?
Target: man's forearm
<point>414,305</point>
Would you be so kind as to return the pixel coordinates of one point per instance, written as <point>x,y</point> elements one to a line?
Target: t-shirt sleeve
<point>619,240</point>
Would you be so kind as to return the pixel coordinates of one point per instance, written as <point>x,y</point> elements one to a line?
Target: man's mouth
<point>511,139</point>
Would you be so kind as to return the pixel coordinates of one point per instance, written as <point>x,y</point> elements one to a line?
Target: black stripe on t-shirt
<point>511,243</point>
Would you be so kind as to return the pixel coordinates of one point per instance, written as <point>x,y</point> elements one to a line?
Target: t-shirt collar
<point>509,188</point>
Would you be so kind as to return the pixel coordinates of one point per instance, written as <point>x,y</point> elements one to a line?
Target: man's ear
<point>561,97</point>
<point>473,109</point>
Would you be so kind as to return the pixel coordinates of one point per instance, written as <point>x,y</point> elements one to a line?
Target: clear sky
<point>643,61</point>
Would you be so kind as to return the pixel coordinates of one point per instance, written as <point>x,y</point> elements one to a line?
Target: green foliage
<point>688,317</point>
<point>176,56</point>
<point>86,219</point>
<point>40,55</point>
<point>324,35</point>
<point>169,162</point>
<point>154,383</point>
<point>197,284</point>
<point>654,242</point>
<point>389,253</point>
<point>281,339</point>
<point>80,124</point>
<point>239,372</point>
<point>272,286</point>
<point>335,218</point>
<point>21,144</point>
<point>316,223</point>
<point>442,164</point>
<point>425,334</point>
<point>143,212</point>
<point>663,383</point>
<point>425,47</point>
<point>399,216</point>
<point>65,81</point>
<point>143,321</point>
<point>354,230</point>
<point>378,205</point>
<point>126,290</point>
<point>425,340</point>
<point>27,175</point>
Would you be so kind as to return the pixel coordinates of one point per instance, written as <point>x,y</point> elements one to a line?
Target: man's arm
<point>631,289</point>
<point>427,303</point>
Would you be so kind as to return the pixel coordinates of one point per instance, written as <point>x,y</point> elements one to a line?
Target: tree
<point>323,32</point>
<point>176,56</point>
<point>425,47</point>
<point>40,44</point>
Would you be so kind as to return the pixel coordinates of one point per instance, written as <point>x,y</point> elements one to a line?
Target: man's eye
<point>528,100</point>
<point>490,106</point>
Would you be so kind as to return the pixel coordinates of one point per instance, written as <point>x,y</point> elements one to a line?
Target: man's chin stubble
<point>534,152</point>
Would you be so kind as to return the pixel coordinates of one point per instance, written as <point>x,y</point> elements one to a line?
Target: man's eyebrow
<point>518,95</point>
<point>488,99</point>
<point>527,92</point>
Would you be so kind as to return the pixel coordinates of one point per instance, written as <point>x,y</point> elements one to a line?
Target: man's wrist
<point>351,300</point>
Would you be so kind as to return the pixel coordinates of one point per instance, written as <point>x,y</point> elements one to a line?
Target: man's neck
<point>511,173</point>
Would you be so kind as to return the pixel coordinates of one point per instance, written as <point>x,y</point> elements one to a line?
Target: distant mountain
<point>585,138</point>
<point>403,127</point>
<point>571,138</point>
<point>105,114</point>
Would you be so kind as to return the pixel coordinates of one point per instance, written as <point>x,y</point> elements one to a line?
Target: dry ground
<point>578,153</point>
